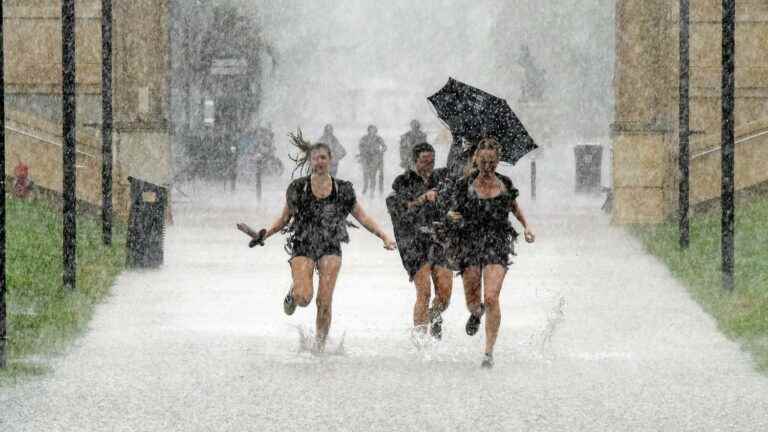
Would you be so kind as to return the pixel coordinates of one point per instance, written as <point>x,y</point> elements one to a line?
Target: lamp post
<point>106,121</point>
<point>68,145</point>
<point>684,127</point>
<point>727,162</point>
<point>3,326</point>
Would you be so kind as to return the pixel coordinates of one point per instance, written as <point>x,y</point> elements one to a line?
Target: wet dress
<point>318,225</point>
<point>485,234</point>
<point>415,233</point>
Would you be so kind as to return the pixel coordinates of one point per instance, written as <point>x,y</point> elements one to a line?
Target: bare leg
<point>301,270</point>
<point>442,278</point>
<point>329,270</point>
<point>423,292</point>
<point>372,180</point>
<point>380,169</point>
<point>366,176</point>
<point>472,284</point>
<point>493,278</point>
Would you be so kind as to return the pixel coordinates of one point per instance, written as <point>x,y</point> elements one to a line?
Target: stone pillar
<point>642,126</point>
<point>141,71</point>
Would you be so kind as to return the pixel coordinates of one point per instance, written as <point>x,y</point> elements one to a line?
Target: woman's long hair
<point>302,158</point>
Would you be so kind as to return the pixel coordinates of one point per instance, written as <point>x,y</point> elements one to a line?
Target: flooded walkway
<point>596,335</point>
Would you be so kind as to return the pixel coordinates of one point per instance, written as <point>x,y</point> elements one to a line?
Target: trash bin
<point>146,224</point>
<point>588,167</point>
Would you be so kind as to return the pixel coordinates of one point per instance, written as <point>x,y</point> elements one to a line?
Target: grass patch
<point>44,318</point>
<point>742,314</point>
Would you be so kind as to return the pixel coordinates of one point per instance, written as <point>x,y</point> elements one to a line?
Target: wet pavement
<point>596,335</point>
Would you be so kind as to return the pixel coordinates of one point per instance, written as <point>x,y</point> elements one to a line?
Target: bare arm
<point>518,212</point>
<point>280,222</point>
<point>428,196</point>
<point>371,225</point>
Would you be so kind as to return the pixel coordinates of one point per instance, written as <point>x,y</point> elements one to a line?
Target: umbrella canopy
<point>472,114</point>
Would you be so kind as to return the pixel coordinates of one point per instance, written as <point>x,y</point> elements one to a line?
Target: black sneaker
<point>473,323</point>
<point>289,304</point>
<point>437,323</point>
<point>487,361</point>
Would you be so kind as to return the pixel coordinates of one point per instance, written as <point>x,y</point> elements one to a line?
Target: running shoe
<point>487,361</point>
<point>437,323</point>
<point>473,323</point>
<point>289,304</point>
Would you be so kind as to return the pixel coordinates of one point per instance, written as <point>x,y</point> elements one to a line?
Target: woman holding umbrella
<point>482,201</point>
<point>314,217</point>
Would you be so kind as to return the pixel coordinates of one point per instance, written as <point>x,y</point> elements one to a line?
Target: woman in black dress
<point>482,201</point>
<point>314,218</point>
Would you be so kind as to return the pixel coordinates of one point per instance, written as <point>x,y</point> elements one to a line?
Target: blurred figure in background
<point>407,141</point>
<point>337,150</point>
<point>371,157</point>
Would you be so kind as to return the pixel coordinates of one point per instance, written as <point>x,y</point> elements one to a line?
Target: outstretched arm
<point>371,225</point>
<point>280,222</point>
<point>530,237</point>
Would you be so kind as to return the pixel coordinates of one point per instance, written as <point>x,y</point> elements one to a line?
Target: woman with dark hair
<point>314,218</point>
<point>482,201</point>
<point>414,207</point>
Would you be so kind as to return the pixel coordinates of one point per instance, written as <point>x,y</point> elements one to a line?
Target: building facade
<point>140,92</point>
<point>645,131</point>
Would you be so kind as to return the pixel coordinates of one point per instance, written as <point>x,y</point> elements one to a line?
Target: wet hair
<point>305,151</point>
<point>321,145</point>
<point>488,143</point>
<point>421,148</point>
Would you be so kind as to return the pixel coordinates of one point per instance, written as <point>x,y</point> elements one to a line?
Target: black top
<point>410,185</point>
<point>484,214</point>
<point>321,219</point>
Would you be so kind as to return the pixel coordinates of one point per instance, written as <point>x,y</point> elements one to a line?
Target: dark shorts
<point>315,250</point>
<point>426,252</point>
<point>485,250</point>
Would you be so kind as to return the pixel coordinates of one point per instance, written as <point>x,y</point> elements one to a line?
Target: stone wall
<point>141,65</point>
<point>646,126</point>
<point>37,143</point>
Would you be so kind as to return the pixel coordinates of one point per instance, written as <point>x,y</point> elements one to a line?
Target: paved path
<point>596,335</point>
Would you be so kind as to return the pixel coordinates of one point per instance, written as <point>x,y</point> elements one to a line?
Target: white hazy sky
<point>355,62</point>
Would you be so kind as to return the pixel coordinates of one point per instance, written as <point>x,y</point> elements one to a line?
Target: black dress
<point>485,235</point>
<point>318,226</point>
<point>414,227</point>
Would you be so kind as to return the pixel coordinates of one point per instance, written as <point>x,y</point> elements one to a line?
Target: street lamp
<point>3,326</point>
<point>727,163</point>
<point>106,121</point>
<point>684,128</point>
<point>68,141</point>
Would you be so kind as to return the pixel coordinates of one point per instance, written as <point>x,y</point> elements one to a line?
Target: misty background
<point>353,63</point>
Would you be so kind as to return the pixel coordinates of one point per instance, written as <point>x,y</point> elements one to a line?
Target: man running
<point>415,209</point>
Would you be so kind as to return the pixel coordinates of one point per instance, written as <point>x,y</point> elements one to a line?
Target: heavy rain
<point>336,215</point>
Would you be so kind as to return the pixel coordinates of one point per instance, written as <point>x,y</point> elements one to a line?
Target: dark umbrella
<point>472,114</point>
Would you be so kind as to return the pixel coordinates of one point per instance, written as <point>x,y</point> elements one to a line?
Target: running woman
<point>482,201</point>
<point>314,218</point>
